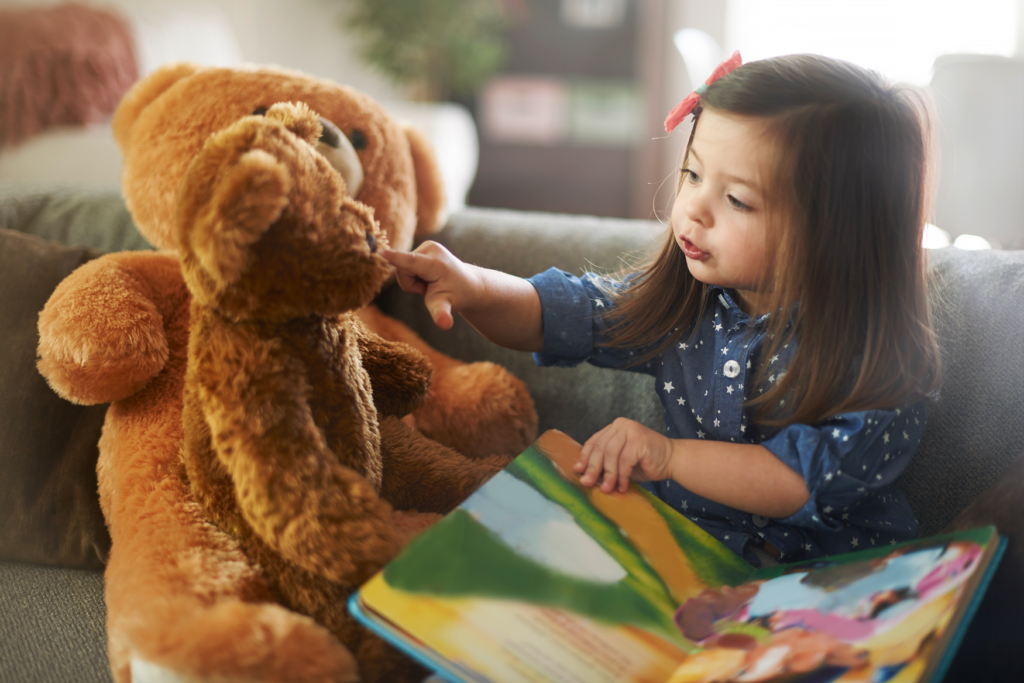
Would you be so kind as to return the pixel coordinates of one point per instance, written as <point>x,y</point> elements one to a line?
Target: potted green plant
<point>438,49</point>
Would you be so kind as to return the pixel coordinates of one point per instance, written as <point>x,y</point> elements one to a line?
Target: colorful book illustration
<point>536,578</point>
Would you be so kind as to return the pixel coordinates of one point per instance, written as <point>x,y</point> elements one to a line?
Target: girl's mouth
<point>690,251</point>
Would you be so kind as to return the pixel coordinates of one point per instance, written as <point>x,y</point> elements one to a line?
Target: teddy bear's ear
<point>143,93</point>
<point>429,185</point>
<point>239,198</point>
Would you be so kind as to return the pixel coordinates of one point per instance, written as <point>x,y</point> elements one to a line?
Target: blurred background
<point>557,105</point>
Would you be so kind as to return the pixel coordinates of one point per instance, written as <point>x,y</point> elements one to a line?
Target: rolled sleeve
<point>567,315</point>
<point>847,460</point>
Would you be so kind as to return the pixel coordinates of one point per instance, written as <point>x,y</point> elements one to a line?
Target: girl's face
<point>718,218</point>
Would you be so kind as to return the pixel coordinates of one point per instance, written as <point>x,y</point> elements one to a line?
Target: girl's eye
<point>690,176</point>
<point>737,204</point>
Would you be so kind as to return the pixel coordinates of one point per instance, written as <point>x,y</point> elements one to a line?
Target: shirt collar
<point>725,297</point>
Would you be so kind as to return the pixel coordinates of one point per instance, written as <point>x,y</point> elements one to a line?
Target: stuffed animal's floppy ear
<point>429,185</point>
<point>144,92</point>
<point>236,199</point>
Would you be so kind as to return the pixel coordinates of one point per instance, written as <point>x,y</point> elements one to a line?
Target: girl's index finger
<point>399,259</point>
<point>422,267</point>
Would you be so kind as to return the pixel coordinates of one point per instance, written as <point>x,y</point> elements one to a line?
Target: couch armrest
<point>577,401</point>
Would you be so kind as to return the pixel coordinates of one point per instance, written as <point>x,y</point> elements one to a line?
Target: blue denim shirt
<point>849,462</point>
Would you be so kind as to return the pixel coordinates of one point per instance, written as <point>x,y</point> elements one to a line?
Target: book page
<point>886,614</point>
<point>536,578</point>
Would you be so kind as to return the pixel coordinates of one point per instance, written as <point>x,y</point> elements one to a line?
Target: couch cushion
<point>52,625</point>
<point>977,427</point>
<point>49,506</point>
<point>88,217</point>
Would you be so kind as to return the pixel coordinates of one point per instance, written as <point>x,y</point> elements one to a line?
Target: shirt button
<point>760,521</point>
<point>731,369</point>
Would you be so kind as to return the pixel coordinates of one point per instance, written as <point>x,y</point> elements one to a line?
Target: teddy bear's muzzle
<point>339,151</point>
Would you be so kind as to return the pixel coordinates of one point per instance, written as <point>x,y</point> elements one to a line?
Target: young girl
<point>785,319</point>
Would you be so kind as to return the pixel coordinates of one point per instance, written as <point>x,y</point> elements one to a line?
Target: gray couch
<point>969,469</point>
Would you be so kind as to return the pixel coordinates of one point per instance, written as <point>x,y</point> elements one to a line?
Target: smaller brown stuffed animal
<point>292,406</point>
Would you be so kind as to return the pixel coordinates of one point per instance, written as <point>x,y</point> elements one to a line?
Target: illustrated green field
<point>460,557</point>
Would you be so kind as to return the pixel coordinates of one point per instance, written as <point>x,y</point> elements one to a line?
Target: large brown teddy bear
<point>182,595</point>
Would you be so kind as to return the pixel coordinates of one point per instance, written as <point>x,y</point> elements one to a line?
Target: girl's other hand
<point>624,449</point>
<point>434,272</point>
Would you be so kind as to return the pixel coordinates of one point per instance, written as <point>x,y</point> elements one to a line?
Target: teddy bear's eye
<point>358,139</point>
<point>259,111</point>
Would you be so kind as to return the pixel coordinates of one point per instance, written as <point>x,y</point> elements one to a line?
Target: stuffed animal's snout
<point>325,137</point>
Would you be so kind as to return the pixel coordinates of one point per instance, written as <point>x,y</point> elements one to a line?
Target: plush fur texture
<point>231,550</point>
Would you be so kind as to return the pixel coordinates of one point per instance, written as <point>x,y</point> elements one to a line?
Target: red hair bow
<point>682,110</point>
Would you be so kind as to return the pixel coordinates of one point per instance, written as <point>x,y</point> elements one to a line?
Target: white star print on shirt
<point>681,401</point>
<point>700,434</point>
<point>835,433</point>
<point>669,387</point>
<point>728,389</point>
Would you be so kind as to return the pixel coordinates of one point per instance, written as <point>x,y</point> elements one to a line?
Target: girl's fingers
<point>613,462</point>
<point>440,308</point>
<point>420,266</point>
<point>624,476</point>
<point>590,462</point>
<point>410,283</point>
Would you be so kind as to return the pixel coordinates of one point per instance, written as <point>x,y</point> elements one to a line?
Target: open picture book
<point>536,578</point>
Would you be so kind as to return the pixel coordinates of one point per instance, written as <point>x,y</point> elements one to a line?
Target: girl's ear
<point>429,185</point>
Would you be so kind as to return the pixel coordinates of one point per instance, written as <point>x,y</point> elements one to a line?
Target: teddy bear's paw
<point>236,641</point>
<point>479,409</point>
<point>101,338</point>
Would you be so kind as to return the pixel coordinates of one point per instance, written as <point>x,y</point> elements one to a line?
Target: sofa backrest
<point>975,430</point>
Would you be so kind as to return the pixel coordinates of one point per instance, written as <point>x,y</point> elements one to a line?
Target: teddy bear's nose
<point>372,241</point>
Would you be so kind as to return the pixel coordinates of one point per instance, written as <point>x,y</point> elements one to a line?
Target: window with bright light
<point>898,38</point>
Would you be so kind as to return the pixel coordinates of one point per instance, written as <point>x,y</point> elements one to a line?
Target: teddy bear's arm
<point>479,409</point>
<point>399,374</point>
<point>101,333</point>
<point>292,489</point>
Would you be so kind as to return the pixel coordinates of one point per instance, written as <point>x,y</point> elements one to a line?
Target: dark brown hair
<point>847,202</point>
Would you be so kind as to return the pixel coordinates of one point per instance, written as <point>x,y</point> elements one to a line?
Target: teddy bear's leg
<point>182,600</point>
<point>479,409</point>
<point>421,474</point>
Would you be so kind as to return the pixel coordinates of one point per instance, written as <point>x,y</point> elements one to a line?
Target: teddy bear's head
<point>165,119</point>
<point>266,227</point>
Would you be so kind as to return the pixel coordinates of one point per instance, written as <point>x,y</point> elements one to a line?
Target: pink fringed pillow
<point>60,65</point>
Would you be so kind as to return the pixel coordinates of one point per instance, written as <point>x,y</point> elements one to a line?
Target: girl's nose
<point>698,208</point>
